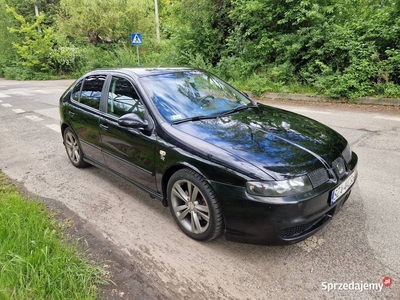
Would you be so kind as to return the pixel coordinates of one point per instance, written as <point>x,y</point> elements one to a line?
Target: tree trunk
<point>37,15</point>
<point>157,20</point>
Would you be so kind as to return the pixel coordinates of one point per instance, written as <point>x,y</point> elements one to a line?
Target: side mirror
<point>132,121</point>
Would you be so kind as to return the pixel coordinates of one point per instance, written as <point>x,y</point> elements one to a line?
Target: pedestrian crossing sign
<point>136,38</point>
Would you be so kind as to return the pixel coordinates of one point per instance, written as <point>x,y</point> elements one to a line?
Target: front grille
<point>296,231</point>
<point>318,177</point>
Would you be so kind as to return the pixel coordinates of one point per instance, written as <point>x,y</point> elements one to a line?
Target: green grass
<point>36,261</point>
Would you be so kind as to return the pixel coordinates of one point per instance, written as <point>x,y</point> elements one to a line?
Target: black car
<point>222,162</point>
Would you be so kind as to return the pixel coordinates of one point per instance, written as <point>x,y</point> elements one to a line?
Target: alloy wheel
<point>72,146</point>
<point>190,206</point>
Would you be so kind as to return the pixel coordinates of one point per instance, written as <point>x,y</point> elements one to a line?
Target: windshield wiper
<point>236,109</point>
<point>196,118</point>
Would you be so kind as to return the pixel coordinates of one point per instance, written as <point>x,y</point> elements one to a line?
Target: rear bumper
<point>276,221</point>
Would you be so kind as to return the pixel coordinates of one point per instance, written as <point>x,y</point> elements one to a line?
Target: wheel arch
<point>63,127</point>
<point>170,171</point>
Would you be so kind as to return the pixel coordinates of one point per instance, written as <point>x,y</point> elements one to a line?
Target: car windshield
<point>192,95</point>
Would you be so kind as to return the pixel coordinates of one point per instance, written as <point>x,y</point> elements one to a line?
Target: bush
<point>389,90</point>
<point>65,59</point>
<point>235,68</point>
<point>18,71</point>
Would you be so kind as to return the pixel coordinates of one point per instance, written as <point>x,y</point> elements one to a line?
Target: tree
<point>30,9</point>
<point>33,47</point>
<point>197,27</point>
<point>7,53</point>
<point>105,21</point>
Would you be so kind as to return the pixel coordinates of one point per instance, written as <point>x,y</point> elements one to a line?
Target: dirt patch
<point>126,279</point>
<point>374,108</point>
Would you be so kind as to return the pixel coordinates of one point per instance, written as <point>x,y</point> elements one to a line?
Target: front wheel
<point>73,149</point>
<point>194,205</point>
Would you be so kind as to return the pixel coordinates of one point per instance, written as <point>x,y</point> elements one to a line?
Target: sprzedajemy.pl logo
<point>356,286</point>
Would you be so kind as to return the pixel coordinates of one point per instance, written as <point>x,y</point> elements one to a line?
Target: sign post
<point>137,40</point>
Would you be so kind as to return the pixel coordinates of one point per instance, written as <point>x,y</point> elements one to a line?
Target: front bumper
<point>277,221</point>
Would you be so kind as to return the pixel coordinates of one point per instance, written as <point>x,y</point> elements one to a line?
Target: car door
<point>127,151</point>
<point>84,115</point>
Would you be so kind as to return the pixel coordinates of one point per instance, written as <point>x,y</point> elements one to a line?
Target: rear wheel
<point>73,149</point>
<point>194,205</point>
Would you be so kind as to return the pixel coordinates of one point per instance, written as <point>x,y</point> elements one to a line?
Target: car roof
<point>142,72</point>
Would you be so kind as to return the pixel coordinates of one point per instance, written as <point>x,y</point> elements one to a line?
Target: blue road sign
<point>136,38</point>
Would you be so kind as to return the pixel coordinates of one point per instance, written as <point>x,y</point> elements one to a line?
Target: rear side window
<point>76,90</point>
<point>91,90</point>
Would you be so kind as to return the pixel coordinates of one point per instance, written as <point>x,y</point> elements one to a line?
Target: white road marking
<point>20,93</point>
<point>53,113</point>
<point>55,127</point>
<point>1,101</point>
<point>387,118</point>
<point>42,91</point>
<point>49,91</point>
<point>313,111</point>
<point>18,111</point>
<point>7,105</point>
<point>2,95</point>
<point>34,118</point>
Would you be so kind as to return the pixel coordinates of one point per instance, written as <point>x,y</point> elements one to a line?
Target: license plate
<point>343,188</point>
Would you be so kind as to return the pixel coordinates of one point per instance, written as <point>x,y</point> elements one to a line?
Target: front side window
<point>123,98</point>
<point>91,90</point>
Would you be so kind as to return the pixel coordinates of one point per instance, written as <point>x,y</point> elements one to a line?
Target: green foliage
<point>389,90</point>
<point>64,59</point>
<point>35,44</point>
<point>7,54</point>
<point>340,48</point>
<point>26,8</point>
<point>17,71</point>
<point>197,29</point>
<point>99,57</point>
<point>103,21</point>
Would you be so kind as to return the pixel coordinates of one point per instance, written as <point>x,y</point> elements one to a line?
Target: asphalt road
<point>360,246</point>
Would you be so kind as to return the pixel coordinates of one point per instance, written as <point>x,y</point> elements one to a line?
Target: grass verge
<point>36,260</point>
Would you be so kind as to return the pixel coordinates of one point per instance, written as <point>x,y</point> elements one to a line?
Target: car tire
<point>194,205</point>
<point>73,149</point>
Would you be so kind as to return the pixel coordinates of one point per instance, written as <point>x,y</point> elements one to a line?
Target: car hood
<point>280,143</point>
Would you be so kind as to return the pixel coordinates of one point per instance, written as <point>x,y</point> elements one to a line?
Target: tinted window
<point>76,91</point>
<point>123,98</point>
<point>91,90</point>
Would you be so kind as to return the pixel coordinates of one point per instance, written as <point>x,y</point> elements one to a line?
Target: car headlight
<point>347,153</point>
<point>279,188</point>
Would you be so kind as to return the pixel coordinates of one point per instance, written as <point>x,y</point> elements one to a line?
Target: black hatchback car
<point>222,162</point>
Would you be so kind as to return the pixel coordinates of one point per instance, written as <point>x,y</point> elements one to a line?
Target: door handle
<point>104,127</point>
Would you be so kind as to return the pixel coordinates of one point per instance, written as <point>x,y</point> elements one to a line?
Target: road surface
<point>153,259</point>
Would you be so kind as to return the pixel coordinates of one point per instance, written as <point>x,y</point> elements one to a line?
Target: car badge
<point>162,154</point>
